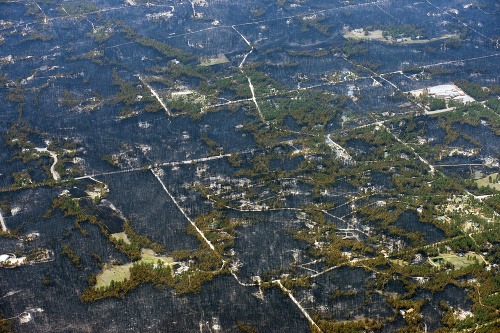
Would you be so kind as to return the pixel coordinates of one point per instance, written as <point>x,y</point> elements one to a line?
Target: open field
<point>377,35</point>
<point>149,257</point>
<point>220,59</point>
<point>113,273</point>
<point>121,235</point>
<point>119,273</point>
<point>495,181</point>
<point>457,261</point>
<point>400,262</point>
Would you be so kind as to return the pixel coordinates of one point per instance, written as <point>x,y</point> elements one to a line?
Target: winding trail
<point>93,27</point>
<point>53,155</point>
<point>242,283</point>
<point>245,59</point>
<point>157,175</point>
<point>192,6</point>
<point>53,171</point>
<point>248,43</point>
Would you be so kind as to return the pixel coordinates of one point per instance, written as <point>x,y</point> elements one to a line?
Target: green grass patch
<point>121,236</point>
<point>399,262</point>
<point>220,59</point>
<point>113,273</point>
<point>457,261</point>
<point>118,273</point>
<point>492,181</point>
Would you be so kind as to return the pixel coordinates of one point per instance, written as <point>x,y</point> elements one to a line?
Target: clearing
<point>377,35</point>
<point>220,59</point>
<point>119,273</point>
<point>121,235</point>
<point>492,181</point>
<point>444,91</point>
<point>457,261</point>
